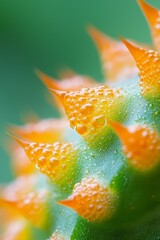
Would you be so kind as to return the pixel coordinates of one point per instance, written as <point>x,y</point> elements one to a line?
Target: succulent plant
<point>98,178</point>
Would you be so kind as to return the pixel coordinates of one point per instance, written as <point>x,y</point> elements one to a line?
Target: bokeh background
<point>51,35</point>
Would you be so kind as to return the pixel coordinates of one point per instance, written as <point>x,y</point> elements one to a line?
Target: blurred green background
<point>51,35</point>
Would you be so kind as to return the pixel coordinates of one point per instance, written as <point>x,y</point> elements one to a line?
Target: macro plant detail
<point>94,173</point>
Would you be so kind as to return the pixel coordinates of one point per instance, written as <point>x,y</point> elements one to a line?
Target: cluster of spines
<point>90,114</point>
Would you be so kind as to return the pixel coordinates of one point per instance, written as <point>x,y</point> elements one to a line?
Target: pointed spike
<point>66,83</point>
<point>119,129</point>
<point>58,88</point>
<point>68,203</point>
<point>58,96</point>
<point>134,50</point>
<point>150,12</point>
<point>88,108</point>
<point>148,63</point>
<point>91,200</point>
<point>46,131</point>
<point>102,41</point>
<point>141,145</point>
<point>19,140</point>
<point>48,81</point>
<point>56,160</point>
<point>117,63</point>
<point>16,130</point>
<point>19,161</point>
<point>20,166</point>
<point>153,16</point>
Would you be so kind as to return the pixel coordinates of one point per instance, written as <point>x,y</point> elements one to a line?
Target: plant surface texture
<point>93,174</point>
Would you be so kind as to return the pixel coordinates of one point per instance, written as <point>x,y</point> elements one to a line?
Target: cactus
<point>99,177</point>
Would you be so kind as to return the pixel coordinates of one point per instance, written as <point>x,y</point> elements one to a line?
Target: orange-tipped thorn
<point>19,140</point>
<point>118,128</point>
<point>150,12</point>
<point>87,109</point>
<point>68,203</point>
<point>53,86</point>
<point>59,96</point>
<point>148,63</point>
<point>90,200</point>
<point>134,50</point>
<point>141,144</point>
<point>153,16</point>
<point>47,80</point>
<point>117,63</point>
<point>73,83</point>
<point>55,160</point>
<point>102,40</point>
<point>46,131</point>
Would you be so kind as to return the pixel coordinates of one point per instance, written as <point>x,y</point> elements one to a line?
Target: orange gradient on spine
<point>54,160</point>
<point>87,109</point>
<point>90,200</point>
<point>148,63</point>
<point>141,145</point>
<point>117,63</point>
<point>71,83</point>
<point>153,16</point>
<point>43,131</point>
